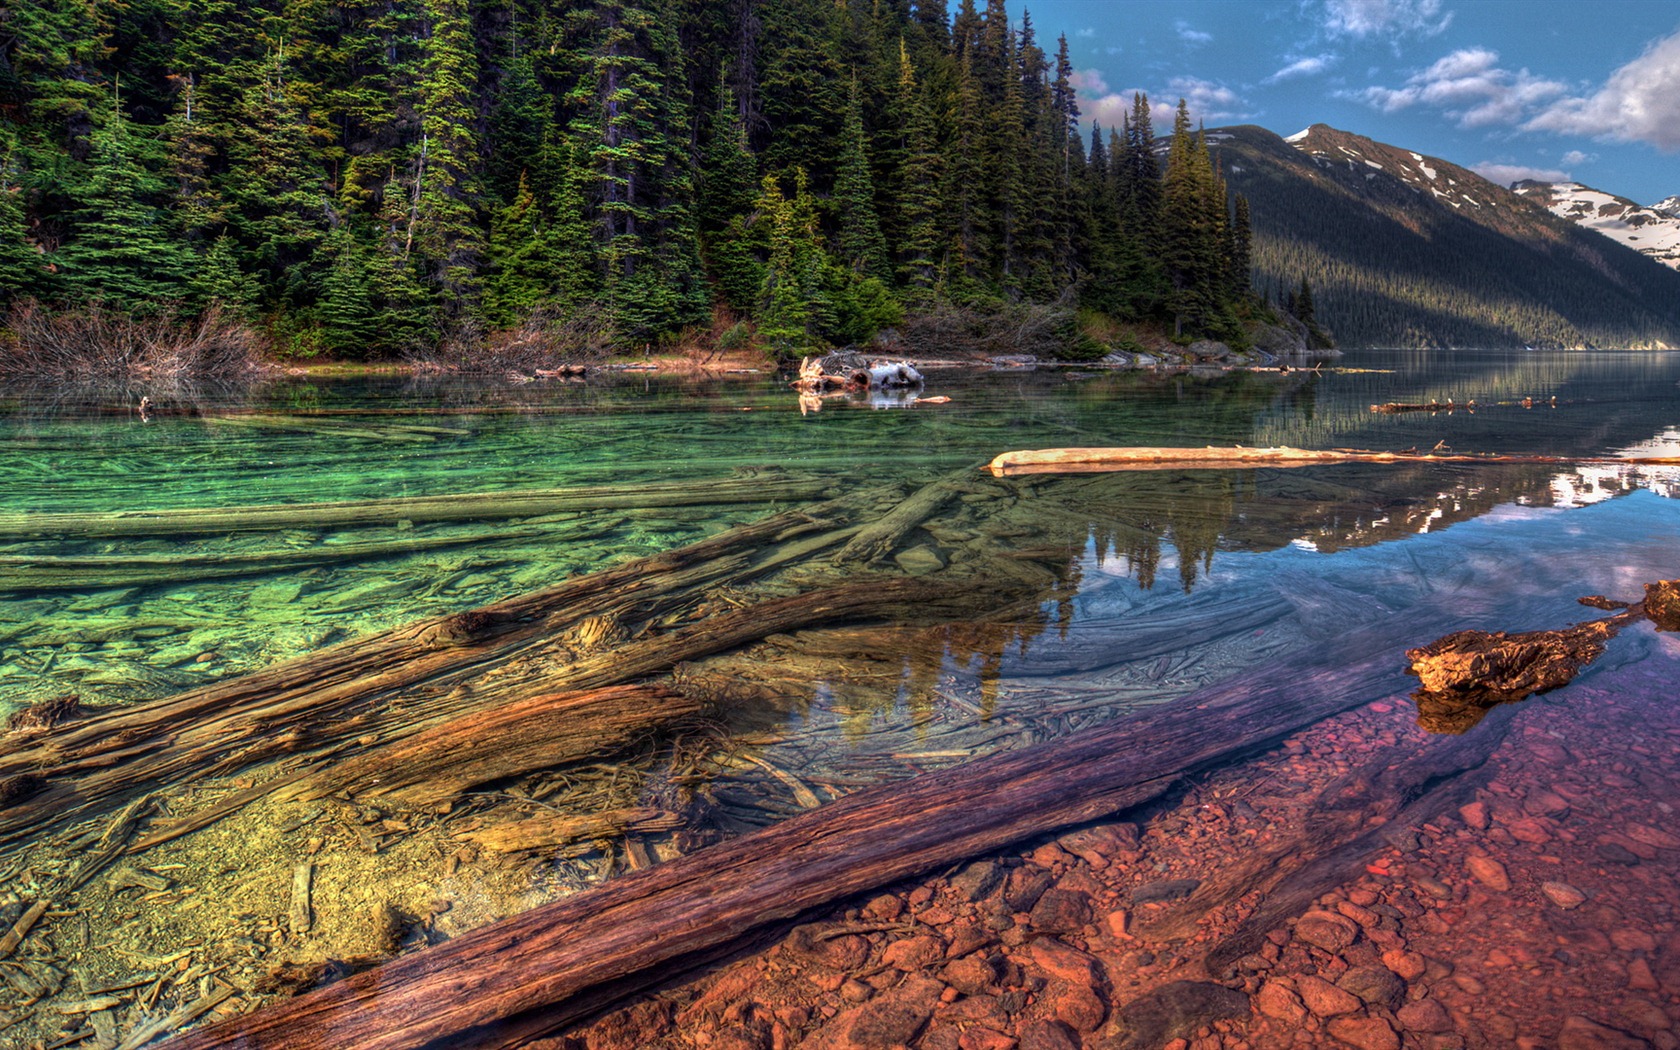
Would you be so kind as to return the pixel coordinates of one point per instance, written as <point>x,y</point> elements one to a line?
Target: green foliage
<point>360,175</point>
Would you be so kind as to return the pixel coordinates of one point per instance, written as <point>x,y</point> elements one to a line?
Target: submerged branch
<point>1098,460</point>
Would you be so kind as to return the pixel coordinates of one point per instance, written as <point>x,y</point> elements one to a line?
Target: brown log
<point>878,538</point>
<point>1097,460</point>
<point>473,506</point>
<point>539,732</point>
<point>533,974</point>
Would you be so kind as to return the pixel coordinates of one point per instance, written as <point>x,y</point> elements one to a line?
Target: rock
<point>976,881</point>
<point>1047,1035</point>
<point>1279,1002</point>
<point>1061,911</point>
<point>1175,1011</point>
<point>1474,814</point>
<point>1631,940</point>
<point>1026,884</point>
<point>1103,842</point>
<point>1118,922</point>
<point>1530,830</point>
<point>922,560</point>
<point>1651,836</point>
<point>1163,890</point>
<point>1545,804</point>
<point>1376,985</point>
<point>884,908</point>
<point>1365,1033</point>
<point>984,1039</point>
<point>1424,1015</point>
<point>1408,966</point>
<point>892,1019</point>
<point>1563,894</point>
<point>1616,853</point>
<point>913,953</point>
<point>971,975</point>
<point>1063,962</point>
<point>1326,930</point>
<point>1078,1006</point>
<point>1583,1033</point>
<point>1325,999</point>
<point>1642,1015</point>
<point>1488,872</point>
<point>967,937</point>
<point>1640,977</point>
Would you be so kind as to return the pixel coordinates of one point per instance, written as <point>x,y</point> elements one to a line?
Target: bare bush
<point>947,330</point>
<point>94,342</point>
<point>546,340</point>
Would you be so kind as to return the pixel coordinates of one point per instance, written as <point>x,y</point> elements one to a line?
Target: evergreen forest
<point>363,178</point>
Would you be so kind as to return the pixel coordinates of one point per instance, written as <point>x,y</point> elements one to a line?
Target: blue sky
<point>1548,89</point>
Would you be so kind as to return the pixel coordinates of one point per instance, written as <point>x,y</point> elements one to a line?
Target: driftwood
<point>29,573</point>
<point>540,732</point>
<point>553,830</point>
<point>1466,673</point>
<point>323,702</point>
<point>1098,460</point>
<point>475,506</point>
<point>517,980</point>
<point>878,538</point>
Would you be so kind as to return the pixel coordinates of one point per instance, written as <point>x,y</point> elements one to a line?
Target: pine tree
<point>446,236</point>
<point>1241,253</point>
<point>520,276</point>
<point>220,280</point>
<point>917,196</point>
<point>21,271</point>
<point>121,249</point>
<point>729,240</point>
<point>862,247</point>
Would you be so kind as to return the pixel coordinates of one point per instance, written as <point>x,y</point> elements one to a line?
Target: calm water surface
<point>1155,584</point>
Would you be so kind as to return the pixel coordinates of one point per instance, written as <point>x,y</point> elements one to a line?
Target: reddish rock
<point>1583,1033</point>
<point>1563,894</point>
<point>1279,1002</point>
<point>1640,977</point>
<point>892,1019</point>
<point>1063,962</point>
<point>1651,836</point>
<point>1118,922</point>
<point>1025,885</point>
<point>1424,1015</point>
<point>985,1039</point>
<point>1061,911</point>
<point>1079,1006</point>
<point>967,937</point>
<point>1474,814</point>
<point>1488,872</point>
<point>1365,1033</point>
<point>1642,1015</point>
<point>1630,940</point>
<point>984,1010</point>
<point>971,975</point>
<point>1325,999</point>
<point>1408,966</point>
<point>884,908</point>
<point>1048,1035</point>
<point>1375,985</point>
<point>1545,804</point>
<point>1326,930</point>
<point>914,953</point>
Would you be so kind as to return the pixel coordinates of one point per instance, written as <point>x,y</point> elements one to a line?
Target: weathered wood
<point>320,701</point>
<point>540,971</point>
<point>475,506</point>
<point>21,928</point>
<point>1096,460</point>
<point>553,830</point>
<point>878,538</point>
<point>540,732</point>
<point>302,911</point>
<point>23,572</point>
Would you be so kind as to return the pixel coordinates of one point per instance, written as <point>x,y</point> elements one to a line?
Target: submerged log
<point>878,538</point>
<point>540,732</point>
<point>1097,460</point>
<point>473,506</point>
<point>515,981</point>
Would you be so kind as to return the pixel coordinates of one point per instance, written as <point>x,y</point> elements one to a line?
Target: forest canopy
<point>362,178</point>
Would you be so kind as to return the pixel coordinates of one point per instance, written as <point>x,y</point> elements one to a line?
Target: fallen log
<point>878,538</point>
<point>474,506</point>
<point>515,981</point>
<point>1098,460</point>
<point>540,732</point>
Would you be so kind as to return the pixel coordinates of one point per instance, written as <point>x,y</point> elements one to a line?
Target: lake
<point>615,529</point>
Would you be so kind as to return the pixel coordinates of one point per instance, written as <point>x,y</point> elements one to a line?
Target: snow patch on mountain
<point>1422,174</point>
<point>1654,231</point>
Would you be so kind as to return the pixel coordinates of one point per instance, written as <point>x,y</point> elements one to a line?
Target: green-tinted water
<point>1095,596</point>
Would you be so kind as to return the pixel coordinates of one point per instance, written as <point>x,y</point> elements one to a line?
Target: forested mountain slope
<point>1406,250</point>
<point>364,177</point>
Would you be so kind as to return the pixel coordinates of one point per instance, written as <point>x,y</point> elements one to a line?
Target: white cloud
<point>1190,35</point>
<point>1087,31</point>
<point>1640,102</point>
<point>1505,174</point>
<point>1470,86</point>
<point>1310,66</point>
<point>1363,18</point>
<point>1209,102</point>
<point>1575,156</point>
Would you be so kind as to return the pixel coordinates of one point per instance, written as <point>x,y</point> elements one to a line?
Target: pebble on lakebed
<point>1542,912</point>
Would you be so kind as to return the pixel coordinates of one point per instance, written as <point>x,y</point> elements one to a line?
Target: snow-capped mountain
<point>1655,231</point>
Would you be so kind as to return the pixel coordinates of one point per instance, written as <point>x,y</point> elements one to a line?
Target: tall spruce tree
<point>862,247</point>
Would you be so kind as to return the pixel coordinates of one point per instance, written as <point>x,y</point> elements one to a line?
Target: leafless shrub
<point>947,330</point>
<point>546,340</point>
<point>94,342</point>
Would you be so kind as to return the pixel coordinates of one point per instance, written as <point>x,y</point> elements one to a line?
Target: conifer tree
<point>447,234</point>
<point>520,275</point>
<point>21,271</point>
<point>917,195</point>
<point>862,247</point>
<point>728,237</point>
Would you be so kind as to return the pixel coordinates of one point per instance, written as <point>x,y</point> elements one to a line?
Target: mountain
<point>1653,231</point>
<point>1407,250</point>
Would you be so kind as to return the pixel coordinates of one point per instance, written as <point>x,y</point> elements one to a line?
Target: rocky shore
<point>1542,914</point>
